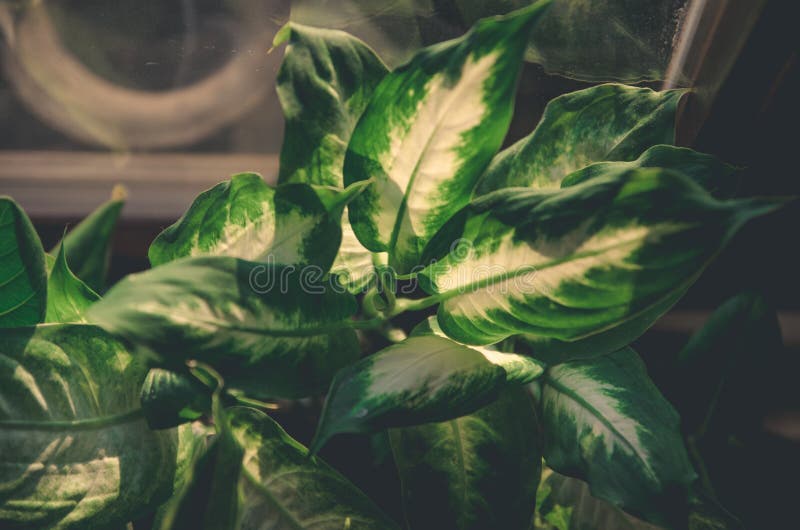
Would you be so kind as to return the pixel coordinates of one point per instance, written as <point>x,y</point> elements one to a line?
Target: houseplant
<point>542,262</point>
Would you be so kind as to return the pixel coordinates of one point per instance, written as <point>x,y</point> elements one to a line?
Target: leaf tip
<point>282,35</point>
<point>119,193</point>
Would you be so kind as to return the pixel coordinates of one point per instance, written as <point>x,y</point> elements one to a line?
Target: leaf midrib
<point>89,424</point>
<point>474,286</point>
<point>569,393</point>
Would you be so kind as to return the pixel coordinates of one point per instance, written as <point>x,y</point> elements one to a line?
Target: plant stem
<point>244,400</point>
<point>405,304</point>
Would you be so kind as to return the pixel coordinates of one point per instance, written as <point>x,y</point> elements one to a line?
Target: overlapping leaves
<point>75,451</point>
<point>606,122</point>
<point>425,378</point>
<point>254,475</point>
<point>476,471</point>
<point>325,82</point>
<point>601,259</point>
<point>604,421</point>
<point>23,279</point>
<point>245,218</point>
<point>428,133</point>
<point>269,330</point>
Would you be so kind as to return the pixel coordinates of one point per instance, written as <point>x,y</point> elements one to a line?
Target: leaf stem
<point>250,402</point>
<point>406,304</point>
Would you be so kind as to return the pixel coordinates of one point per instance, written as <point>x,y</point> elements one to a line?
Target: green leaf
<point>428,133</point>
<point>425,378</point>
<point>474,472</point>
<point>194,439</point>
<point>170,398</point>
<point>68,297</point>
<point>269,330</point>
<point>714,176</point>
<point>724,382</point>
<point>23,279</point>
<point>89,243</point>
<point>324,84</point>
<point>606,122</point>
<point>574,265</point>
<point>564,503</point>
<point>605,422</point>
<point>725,367</point>
<point>245,218</point>
<point>255,476</point>
<point>75,451</point>
<point>209,497</point>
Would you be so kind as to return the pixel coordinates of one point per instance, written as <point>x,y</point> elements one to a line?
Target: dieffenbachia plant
<point>529,270</point>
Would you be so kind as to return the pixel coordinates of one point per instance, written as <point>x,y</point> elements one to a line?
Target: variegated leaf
<point>606,122</point>
<point>254,476</point>
<point>716,177</point>
<point>425,378</point>
<point>324,84</point>
<point>326,79</point>
<point>474,472</point>
<point>89,243</point>
<point>606,423</point>
<point>428,133</point>
<point>271,331</point>
<point>590,265</point>
<point>75,451</point>
<point>68,297</point>
<point>23,278</point>
<point>245,218</point>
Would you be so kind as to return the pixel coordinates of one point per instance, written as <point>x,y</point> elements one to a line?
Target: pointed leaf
<point>422,379</point>
<point>566,265</point>
<point>89,243</point>
<point>269,330</point>
<point>474,472</point>
<point>23,279</point>
<point>325,81</point>
<point>68,297</point>
<point>324,84</point>
<point>245,218</point>
<point>714,176</point>
<point>75,451</point>
<point>429,131</point>
<point>606,122</point>
<point>606,423</point>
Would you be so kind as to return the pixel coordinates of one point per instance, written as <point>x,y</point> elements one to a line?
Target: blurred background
<point>169,97</point>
